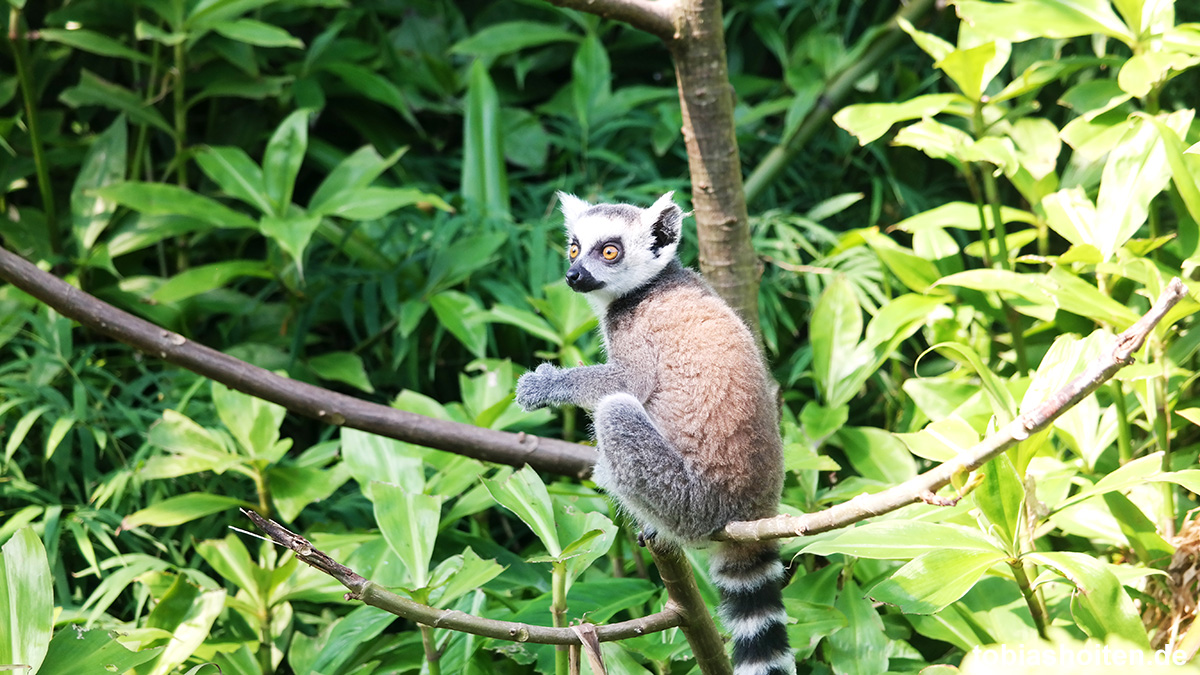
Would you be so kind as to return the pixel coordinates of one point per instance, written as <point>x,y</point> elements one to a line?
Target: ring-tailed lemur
<point>685,420</point>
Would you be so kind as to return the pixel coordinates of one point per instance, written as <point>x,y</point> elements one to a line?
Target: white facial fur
<point>647,238</point>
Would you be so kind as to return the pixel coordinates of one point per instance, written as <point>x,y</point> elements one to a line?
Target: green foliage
<point>360,195</point>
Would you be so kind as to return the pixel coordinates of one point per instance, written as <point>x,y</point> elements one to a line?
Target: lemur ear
<point>664,218</point>
<point>572,206</point>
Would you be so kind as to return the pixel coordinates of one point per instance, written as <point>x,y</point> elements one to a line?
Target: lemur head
<point>617,248</point>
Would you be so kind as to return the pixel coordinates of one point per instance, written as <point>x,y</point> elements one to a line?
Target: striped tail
<point>749,576</point>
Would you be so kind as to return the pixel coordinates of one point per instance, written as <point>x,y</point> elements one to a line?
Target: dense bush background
<point>360,195</point>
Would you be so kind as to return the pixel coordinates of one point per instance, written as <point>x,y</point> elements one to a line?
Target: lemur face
<point>616,248</point>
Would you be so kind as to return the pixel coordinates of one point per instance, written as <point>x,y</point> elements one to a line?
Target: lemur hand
<point>535,388</point>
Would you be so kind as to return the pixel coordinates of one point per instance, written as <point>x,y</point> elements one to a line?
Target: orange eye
<point>610,252</point>
<point>573,251</point>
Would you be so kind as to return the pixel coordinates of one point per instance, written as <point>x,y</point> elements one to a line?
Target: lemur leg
<point>648,476</point>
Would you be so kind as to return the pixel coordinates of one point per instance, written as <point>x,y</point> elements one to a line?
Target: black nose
<point>573,276</point>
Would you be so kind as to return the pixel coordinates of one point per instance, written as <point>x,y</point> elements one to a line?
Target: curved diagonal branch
<point>321,404</point>
<point>923,486</point>
<point>377,596</point>
<point>652,17</point>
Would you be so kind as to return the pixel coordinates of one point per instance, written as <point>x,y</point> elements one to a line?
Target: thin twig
<point>377,596</point>
<point>865,506</point>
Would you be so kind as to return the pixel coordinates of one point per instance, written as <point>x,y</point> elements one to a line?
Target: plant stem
<point>432,657</point>
<point>1036,609</point>
<point>1124,443</point>
<point>20,59</point>
<point>558,611</point>
<point>265,640</point>
<point>1162,435</point>
<point>180,117</point>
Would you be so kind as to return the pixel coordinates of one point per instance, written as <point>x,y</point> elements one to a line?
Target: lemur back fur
<point>686,424</point>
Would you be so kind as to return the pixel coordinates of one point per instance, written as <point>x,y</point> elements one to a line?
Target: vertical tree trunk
<point>726,256</point>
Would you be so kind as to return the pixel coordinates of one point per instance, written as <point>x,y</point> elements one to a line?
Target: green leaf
<point>1186,178</point>
<point>1134,173</point>
<point>930,582</point>
<point>58,431</point>
<point>26,600</point>
<point>347,637</point>
<point>346,367</point>
<point>230,559</point>
<point>915,272</point>
<point>181,509</point>
<point>291,232</point>
<point>187,614</point>
<point>511,36</point>
<point>293,488</point>
<point>527,321</point>
<point>372,203</point>
<point>1146,70</point>
<point>590,534</point>
<point>461,574</point>
<point>1151,549</point>
<point>1028,19</point>
<point>257,33</point>
<point>21,429</point>
<point>1101,606</point>
<point>373,86</point>
<point>161,199</point>
<point>193,449</point>
<point>942,440</point>
<point>974,68</point>
<point>834,331</point>
<point>92,651</point>
<point>461,314</point>
<point>104,164</point>
<point>359,169</point>
<point>252,421</point>
<point>963,216</point>
<point>525,495</point>
<point>282,159</point>
<point>233,170</point>
<point>1004,406</point>
<point>197,280</point>
<point>138,231</point>
<point>93,42</point>
<point>904,539</point>
<point>484,175</point>
<point>590,82</point>
<point>1001,499</point>
<point>877,454</point>
<point>93,90</point>
<point>371,458</point>
<point>869,121</point>
<point>862,646</point>
<point>409,522</point>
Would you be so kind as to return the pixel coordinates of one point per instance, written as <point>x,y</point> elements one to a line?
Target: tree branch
<point>546,454</point>
<point>653,17</point>
<point>684,596</point>
<point>377,596</point>
<point>865,506</point>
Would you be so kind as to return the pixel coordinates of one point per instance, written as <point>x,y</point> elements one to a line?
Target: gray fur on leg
<point>649,476</point>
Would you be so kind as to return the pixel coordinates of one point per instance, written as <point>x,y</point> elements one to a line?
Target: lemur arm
<point>584,386</point>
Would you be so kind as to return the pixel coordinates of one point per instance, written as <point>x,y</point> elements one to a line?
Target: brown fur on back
<point>698,369</point>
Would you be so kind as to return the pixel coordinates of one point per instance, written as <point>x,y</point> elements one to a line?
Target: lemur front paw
<point>534,388</point>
